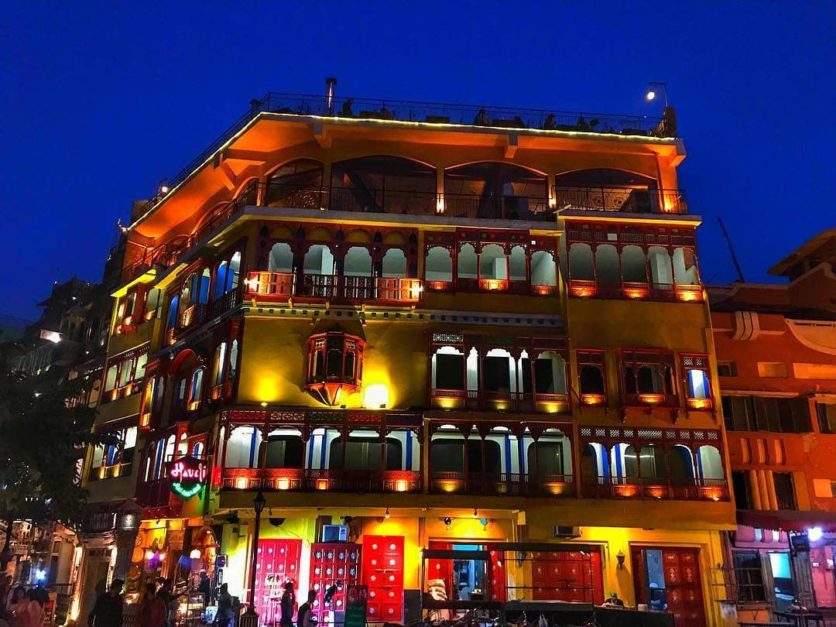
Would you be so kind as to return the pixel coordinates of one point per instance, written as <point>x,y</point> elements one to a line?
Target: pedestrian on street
<point>107,612</point>
<point>305,617</point>
<point>288,604</point>
<point>225,613</point>
<point>152,609</point>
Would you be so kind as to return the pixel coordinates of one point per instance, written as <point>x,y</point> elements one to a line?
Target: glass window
<point>747,570</point>
<point>698,386</point>
<point>284,451</point>
<point>449,371</point>
<point>784,490</point>
<point>742,494</point>
<point>826,414</point>
<point>446,455</point>
<point>110,377</point>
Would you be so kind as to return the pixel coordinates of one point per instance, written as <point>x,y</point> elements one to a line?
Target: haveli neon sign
<point>187,475</point>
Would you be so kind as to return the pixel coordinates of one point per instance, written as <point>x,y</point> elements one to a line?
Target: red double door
<point>383,564</point>
<point>333,564</point>
<point>670,576</point>
<point>278,562</point>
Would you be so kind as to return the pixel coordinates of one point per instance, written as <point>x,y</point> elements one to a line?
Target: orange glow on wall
<point>636,292</point>
<point>583,291</point>
<point>283,483</point>
<point>700,403</point>
<point>592,399</point>
<point>689,293</point>
<point>651,399</point>
<point>626,490</point>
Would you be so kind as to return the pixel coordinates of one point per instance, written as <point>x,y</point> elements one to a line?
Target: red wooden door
<point>496,575</point>
<point>333,564</point>
<point>383,574</point>
<point>441,569</point>
<point>564,575</point>
<point>683,588</point>
<point>278,562</point>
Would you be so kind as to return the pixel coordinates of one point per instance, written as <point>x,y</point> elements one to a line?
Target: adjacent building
<point>776,352</point>
<point>450,350</point>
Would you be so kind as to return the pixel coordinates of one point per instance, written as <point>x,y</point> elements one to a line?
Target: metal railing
<point>655,488</point>
<point>428,113</point>
<point>498,207</point>
<point>620,199</point>
<point>282,285</point>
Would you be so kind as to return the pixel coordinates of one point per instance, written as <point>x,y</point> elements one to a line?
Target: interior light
<point>195,554</point>
<point>814,534</point>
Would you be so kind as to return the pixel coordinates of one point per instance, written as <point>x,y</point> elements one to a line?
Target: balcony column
<point>534,473</point>
<point>439,191</point>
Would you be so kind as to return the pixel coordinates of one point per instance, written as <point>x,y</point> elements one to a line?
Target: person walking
<point>305,618</point>
<point>152,609</point>
<point>288,604</point>
<point>225,613</point>
<point>107,612</point>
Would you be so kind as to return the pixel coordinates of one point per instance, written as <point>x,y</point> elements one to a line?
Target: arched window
<point>383,184</point>
<point>285,449</point>
<point>394,263</point>
<point>543,269</point>
<point>448,369</point>
<point>553,456</point>
<point>548,371</point>
<point>468,267</point>
<point>594,464</point>
<point>633,266</point>
<point>625,462</point>
<point>218,364</point>
<point>494,190</point>
<point>438,265</point>
<point>499,372</point>
<point>280,258</point>
<point>233,272</point>
<point>709,463</point>
<point>653,464</point>
<point>493,264</point>
<point>681,465</point>
<point>581,262</point>
<point>242,448</point>
<point>358,262</point>
<point>685,267</point>
<point>159,459</point>
<point>196,389</point>
<point>170,448</point>
<point>516,264</point>
<point>173,312</point>
<point>318,260</point>
<point>202,285</point>
<point>447,452</point>
<point>183,444</point>
<point>220,279</point>
<point>233,360</point>
<point>197,450</point>
<point>660,266</point>
<point>606,265</point>
<point>297,184</point>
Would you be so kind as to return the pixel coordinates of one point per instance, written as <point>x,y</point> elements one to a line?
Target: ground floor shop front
<point>407,559</point>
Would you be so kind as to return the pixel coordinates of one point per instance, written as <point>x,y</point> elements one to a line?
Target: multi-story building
<point>776,351</point>
<point>459,349</point>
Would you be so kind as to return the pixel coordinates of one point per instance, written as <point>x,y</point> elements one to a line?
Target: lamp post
<point>653,89</point>
<point>250,616</point>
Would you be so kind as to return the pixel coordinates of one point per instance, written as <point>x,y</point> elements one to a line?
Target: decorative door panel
<point>567,576</point>
<point>278,562</point>
<point>683,587</point>
<point>333,564</point>
<point>496,575</point>
<point>441,569</point>
<point>382,572</point>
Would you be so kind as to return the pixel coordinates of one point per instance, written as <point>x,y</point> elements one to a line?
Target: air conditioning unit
<point>335,533</point>
<point>563,531</point>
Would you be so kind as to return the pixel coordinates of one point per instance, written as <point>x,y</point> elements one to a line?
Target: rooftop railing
<point>434,113</point>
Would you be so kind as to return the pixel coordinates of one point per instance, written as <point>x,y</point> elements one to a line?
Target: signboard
<point>355,606</point>
<point>187,476</point>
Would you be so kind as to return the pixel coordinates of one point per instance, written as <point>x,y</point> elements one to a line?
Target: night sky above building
<point>100,102</point>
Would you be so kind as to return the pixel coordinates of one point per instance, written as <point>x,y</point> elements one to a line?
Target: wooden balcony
<point>281,286</point>
<point>655,488</point>
<point>499,400</point>
<point>333,480</point>
<point>501,484</point>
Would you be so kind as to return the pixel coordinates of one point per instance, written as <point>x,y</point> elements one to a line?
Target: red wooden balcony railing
<point>505,400</point>
<point>280,286</point>
<point>634,290</point>
<point>334,480</point>
<point>655,488</point>
<point>511,484</point>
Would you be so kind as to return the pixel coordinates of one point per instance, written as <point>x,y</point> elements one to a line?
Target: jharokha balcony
<point>656,488</point>
<point>332,480</point>
<point>510,484</point>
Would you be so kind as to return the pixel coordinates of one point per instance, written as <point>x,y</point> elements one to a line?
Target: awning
<point>787,520</point>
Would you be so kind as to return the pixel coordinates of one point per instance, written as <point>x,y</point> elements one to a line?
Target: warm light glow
<point>241,483</point>
<point>448,485</point>
<point>592,399</point>
<point>636,292</point>
<point>149,554</point>
<point>689,294</point>
<point>283,483</point>
<point>657,492</point>
<point>583,291</point>
<point>626,490</point>
<point>401,485</point>
<point>376,397</point>
<point>556,488</point>
<point>447,402</point>
<point>322,484</point>
<point>699,403</point>
<point>263,403</point>
<point>439,204</point>
<point>195,554</point>
<point>651,399</point>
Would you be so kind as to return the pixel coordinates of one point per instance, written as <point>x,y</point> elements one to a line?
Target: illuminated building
<point>428,327</point>
<point>776,352</point>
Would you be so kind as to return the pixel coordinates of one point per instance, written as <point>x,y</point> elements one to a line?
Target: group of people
<point>305,616</point>
<point>157,606</point>
<point>20,607</point>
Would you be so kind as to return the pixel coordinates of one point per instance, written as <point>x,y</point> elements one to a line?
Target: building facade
<point>776,350</point>
<point>459,352</point>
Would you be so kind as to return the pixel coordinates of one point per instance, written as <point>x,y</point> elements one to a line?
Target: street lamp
<point>250,616</point>
<point>654,89</point>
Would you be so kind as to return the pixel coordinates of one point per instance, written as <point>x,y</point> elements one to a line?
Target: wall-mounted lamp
<point>619,558</point>
<point>387,514</point>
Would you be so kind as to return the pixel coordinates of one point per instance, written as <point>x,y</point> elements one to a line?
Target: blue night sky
<point>99,101</point>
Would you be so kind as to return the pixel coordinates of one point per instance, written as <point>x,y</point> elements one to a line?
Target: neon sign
<point>187,475</point>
